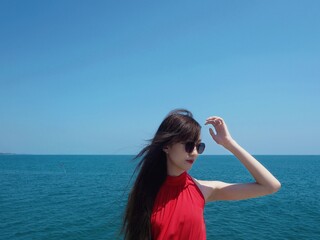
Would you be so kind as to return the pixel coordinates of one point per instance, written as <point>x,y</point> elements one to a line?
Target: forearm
<point>262,176</point>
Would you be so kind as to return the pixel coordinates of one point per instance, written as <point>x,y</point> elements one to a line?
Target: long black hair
<point>178,126</point>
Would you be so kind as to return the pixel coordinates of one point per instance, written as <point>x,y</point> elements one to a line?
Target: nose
<point>194,151</point>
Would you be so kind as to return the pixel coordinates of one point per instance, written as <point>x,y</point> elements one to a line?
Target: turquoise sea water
<point>83,197</point>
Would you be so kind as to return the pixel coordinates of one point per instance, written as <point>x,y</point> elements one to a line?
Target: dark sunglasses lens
<point>189,147</point>
<point>201,148</point>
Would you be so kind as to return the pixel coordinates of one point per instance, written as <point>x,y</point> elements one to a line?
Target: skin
<point>178,160</point>
<point>265,183</point>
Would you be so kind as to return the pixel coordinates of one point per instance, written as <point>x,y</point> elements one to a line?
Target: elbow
<point>275,187</point>
<point>278,186</point>
<point>271,188</point>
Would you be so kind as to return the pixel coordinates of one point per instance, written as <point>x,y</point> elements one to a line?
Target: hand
<point>222,135</point>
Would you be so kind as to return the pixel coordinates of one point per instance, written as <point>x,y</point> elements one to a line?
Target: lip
<point>191,161</point>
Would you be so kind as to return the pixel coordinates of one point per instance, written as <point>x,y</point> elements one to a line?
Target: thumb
<point>213,135</point>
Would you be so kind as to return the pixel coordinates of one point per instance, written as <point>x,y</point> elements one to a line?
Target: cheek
<point>178,152</point>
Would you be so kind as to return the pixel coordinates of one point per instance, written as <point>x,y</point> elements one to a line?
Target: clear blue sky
<point>98,77</point>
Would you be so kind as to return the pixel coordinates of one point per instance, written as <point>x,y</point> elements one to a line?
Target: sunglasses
<point>189,146</point>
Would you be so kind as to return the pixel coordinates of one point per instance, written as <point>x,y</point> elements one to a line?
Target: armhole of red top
<point>199,190</point>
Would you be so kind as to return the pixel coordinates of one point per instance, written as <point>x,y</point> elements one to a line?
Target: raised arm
<point>265,183</point>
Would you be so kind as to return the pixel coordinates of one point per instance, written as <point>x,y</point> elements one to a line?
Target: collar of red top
<point>176,180</point>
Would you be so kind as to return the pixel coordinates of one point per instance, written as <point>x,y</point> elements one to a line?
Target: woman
<point>165,201</point>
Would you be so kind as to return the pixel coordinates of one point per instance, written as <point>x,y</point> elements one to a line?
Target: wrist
<point>230,144</point>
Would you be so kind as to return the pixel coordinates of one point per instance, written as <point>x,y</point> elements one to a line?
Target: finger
<point>213,117</point>
<point>212,132</point>
<point>214,122</point>
<point>217,121</point>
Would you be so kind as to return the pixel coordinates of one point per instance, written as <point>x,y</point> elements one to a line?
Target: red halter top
<point>178,210</point>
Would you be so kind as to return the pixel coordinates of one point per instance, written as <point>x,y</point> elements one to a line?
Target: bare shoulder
<point>207,187</point>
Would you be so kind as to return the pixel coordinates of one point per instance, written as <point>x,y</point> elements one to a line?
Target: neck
<point>172,171</point>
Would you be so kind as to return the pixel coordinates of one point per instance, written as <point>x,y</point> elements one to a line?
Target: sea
<point>69,197</point>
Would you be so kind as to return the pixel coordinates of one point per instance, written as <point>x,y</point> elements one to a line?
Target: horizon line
<point>128,154</point>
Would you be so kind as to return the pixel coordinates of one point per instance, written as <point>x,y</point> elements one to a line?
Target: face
<point>178,160</point>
